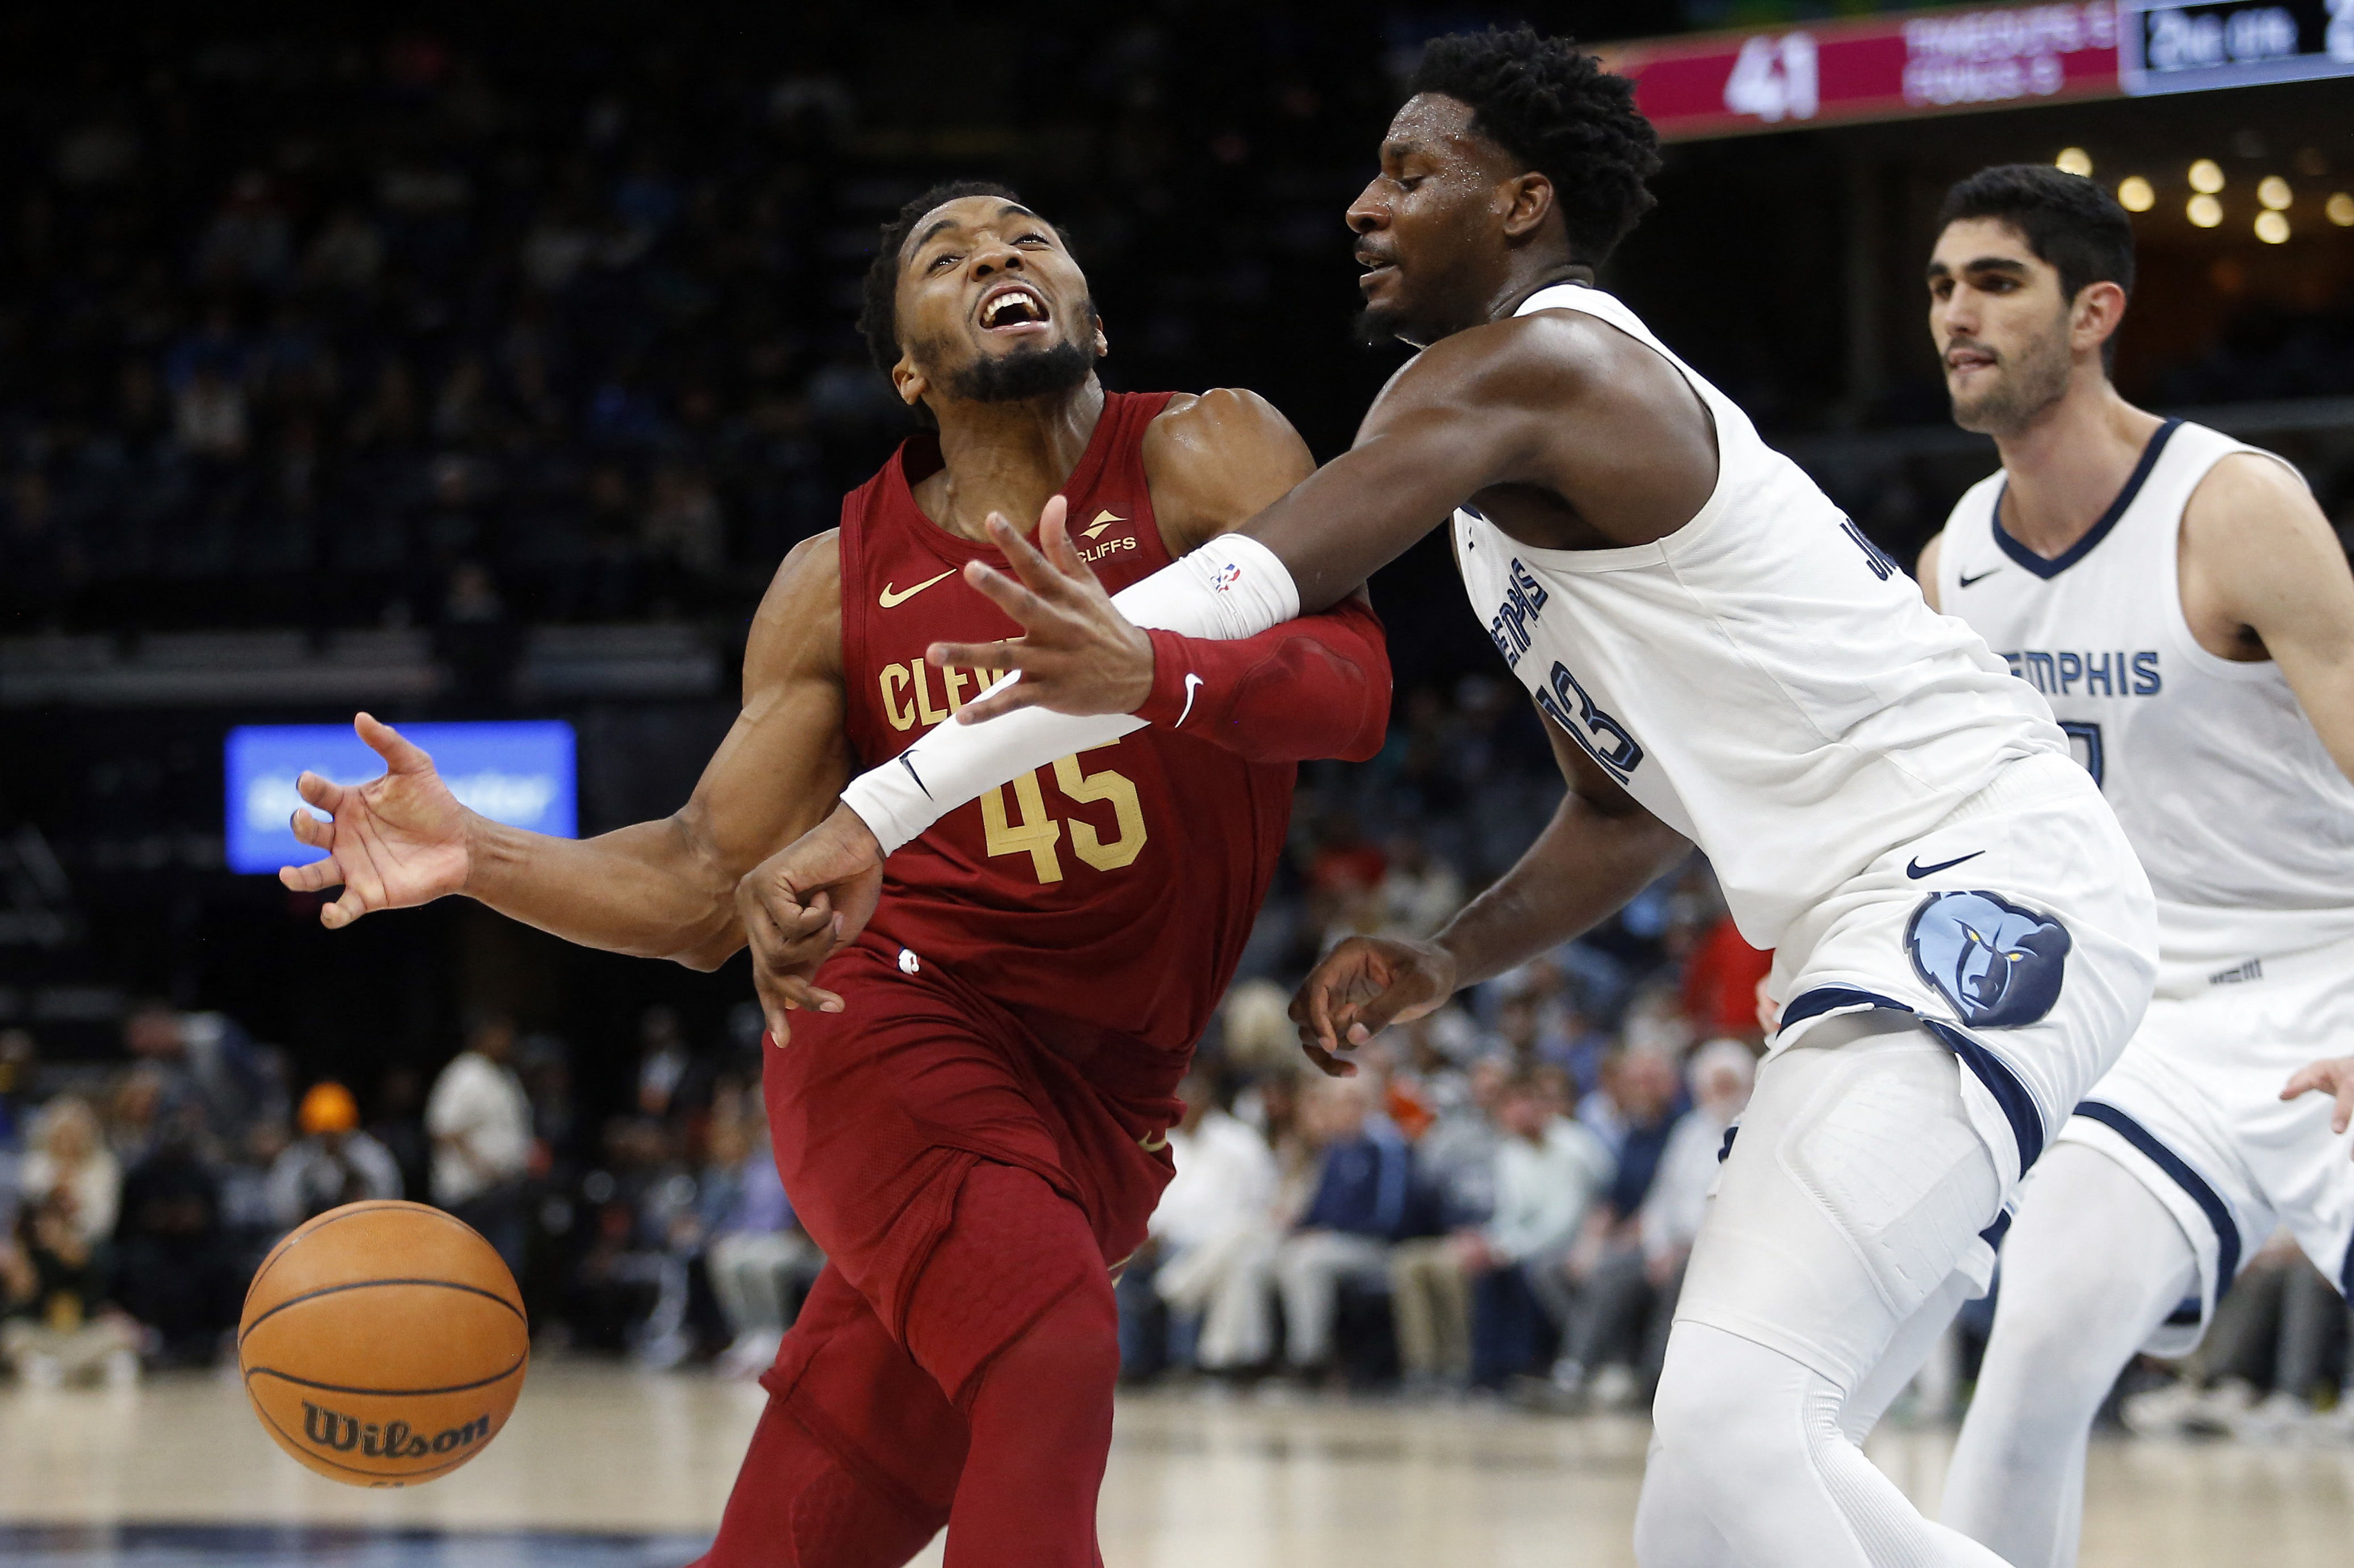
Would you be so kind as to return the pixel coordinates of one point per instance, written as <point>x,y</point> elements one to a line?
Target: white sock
<point>1234,586</point>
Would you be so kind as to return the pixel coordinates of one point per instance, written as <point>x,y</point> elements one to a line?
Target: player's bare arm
<point>2264,577</point>
<point>659,889</point>
<point>1598,851</point>
<point>1924,569</point>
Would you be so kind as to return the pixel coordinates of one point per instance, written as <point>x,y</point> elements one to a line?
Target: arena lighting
<point>2207,176</point>
<point>2272,227</point>
<point>2075,161</point>
<point>2274,193</point>
<point>2340,209</point>
<point>2134,193</point>
<point>2205,211</point>
<point>520,773</point>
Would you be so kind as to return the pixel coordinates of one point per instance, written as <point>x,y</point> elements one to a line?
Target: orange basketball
<point>382,1343</point>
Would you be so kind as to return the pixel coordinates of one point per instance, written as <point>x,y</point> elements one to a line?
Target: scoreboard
<point>2189,49</point>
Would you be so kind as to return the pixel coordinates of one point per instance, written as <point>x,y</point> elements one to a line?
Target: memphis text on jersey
<point>2100,674</point>
<point>1604,739</point>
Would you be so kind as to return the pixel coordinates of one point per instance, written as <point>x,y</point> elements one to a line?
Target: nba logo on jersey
<point>1997,965</point>
<point>1228,575</point>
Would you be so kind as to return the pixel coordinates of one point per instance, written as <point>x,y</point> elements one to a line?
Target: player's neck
<point>1009,458</point>
<point>2064,469</point>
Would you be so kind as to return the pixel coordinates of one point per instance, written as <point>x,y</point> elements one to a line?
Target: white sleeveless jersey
<point>2241,819</point>
<point>1763,680</point>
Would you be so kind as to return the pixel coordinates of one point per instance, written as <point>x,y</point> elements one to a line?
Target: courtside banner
<point>520,773</point>
<point>1879,68</point>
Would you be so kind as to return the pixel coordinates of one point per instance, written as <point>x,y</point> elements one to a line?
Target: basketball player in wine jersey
<point>978,1138</point>
<point>2182,604</point>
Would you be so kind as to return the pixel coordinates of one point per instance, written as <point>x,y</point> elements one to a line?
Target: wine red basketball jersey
<point>1108,892</point>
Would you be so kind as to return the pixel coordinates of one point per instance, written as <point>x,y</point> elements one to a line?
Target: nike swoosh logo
<point>1916,871</point>
<point>1981,577</point>
<point>1193,684</point>
<point>891,599</point>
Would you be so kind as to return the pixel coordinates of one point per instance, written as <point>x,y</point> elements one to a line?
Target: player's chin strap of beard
<point>1230,587</point>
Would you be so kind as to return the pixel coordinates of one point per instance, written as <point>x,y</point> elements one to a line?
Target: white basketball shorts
<point>2193,1109</point>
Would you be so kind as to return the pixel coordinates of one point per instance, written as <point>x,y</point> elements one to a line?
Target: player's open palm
<point>1363,986</point>
<point>394,841</point>
<point>2332,1075</point>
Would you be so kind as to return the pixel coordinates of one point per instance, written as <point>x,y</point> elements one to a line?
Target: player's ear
<point>1528,198</point>
<point>910,381</point>
<point>2100,307</point>
<point>1103,343</point>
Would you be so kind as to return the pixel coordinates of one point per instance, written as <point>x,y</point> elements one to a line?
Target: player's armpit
<point>2258,557</point>
<point>1315,687</point>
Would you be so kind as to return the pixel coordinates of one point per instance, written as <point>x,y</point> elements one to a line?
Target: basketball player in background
<point>979,1141</point>
<point>1964,939</point>
<point>2182,604</point>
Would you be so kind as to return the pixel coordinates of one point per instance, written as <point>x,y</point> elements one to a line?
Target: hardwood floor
<point>604,1467</point>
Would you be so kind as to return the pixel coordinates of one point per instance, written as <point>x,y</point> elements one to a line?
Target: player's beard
<point>2032,381</point>
<point>1027,371</point>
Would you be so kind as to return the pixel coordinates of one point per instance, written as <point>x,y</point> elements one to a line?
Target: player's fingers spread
<point>1005,593</point>
<point>400,754</point>
<point>309,830</point>
<point>1055,534</point>
<point>1326,1063</point>
<point>344,910</point>
<point>323,794</point>
<point>317,876</point>
<point>2306,1079</point>
<point>984,656</point>
<point>2343,1115</point>
<point>1025,695</point>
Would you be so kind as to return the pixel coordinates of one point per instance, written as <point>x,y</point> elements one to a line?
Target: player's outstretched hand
<point>1080,654</point>
<point>800,906</point>
<point>2334,1077</point>
<point>394,841</point>
<point>1363,986</point>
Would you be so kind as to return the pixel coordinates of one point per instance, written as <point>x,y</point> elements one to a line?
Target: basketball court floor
<point>605,1468</point>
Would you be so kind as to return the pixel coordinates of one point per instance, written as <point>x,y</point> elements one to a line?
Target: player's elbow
<point>711,949</point>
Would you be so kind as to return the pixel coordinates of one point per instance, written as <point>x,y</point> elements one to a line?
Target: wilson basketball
<point>382,1343</point>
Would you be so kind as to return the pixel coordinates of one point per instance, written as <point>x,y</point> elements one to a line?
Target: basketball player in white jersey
<point>2180,601</point>
<point>1964,939</point>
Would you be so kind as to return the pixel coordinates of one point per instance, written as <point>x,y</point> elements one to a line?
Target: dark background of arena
<point>352,361</point>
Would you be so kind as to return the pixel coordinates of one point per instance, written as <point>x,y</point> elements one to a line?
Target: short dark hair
<point>2071,224</point>
<point>878,314</point>
<point>1555,109</point>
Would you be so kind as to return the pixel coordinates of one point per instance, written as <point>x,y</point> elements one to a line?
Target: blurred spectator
<point>69,1161</point>
<point>177,1273</point>
<point>664,1062</point>
<point>1455,1182</point>
<point>1549,1170</point>
<point>56,1322</point>
<point>1721,979</point>
<point>1420,892</point>
<point>480,1121</point>
<point>762,1262</point>
<point>1364,1172</point>
<point>1627,1301</point>
<point>399,1127</point>
<point>1644,1086</point>
<point>1214,1237</point>
<point>209,1057</point>
<point>16,1061</point>
<point>333,1163</point>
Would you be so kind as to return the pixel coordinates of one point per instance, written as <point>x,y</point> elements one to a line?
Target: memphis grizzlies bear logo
<point>1997,964</point>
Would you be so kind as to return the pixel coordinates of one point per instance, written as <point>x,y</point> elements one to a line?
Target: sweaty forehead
<point>1437,125</point>
<point>962,216</point>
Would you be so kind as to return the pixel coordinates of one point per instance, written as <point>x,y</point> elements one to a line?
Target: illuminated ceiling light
<point>2274,193</point>
<point>2206,176</point>
<point>2075,161</point>
<point>2135,194</point>
<point>2205,210</point>
<point>2340,209</point>
<point>2272,227</point>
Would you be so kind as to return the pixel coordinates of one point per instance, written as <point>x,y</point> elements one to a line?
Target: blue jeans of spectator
<point>1508,1326</point>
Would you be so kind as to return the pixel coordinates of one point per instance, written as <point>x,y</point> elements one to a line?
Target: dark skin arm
<point>1598,851</point>
<point>659,889</point>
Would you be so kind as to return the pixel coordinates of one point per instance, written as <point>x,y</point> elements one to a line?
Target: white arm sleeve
<point>1230,587</point>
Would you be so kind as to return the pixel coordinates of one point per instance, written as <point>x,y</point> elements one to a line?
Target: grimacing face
<point>2001,324</point>
<point>1428,226</point>
<point>990,300</point>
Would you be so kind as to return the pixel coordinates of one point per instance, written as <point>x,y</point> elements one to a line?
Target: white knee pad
<point>1857,1187</point>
